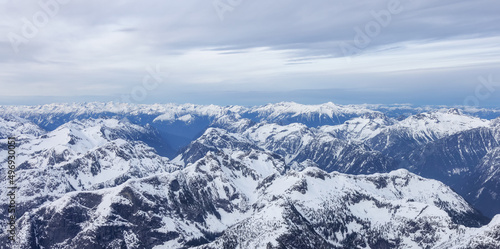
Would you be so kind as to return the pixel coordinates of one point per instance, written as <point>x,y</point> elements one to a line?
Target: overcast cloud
<point>250,51</point>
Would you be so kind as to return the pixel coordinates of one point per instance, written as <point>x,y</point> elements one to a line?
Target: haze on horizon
<point>251,52</point>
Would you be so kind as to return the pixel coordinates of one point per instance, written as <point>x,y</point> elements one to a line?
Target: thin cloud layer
<point>108,49</point>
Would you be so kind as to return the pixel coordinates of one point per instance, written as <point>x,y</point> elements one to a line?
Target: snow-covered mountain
<point>15,126</point>
<point>361,128</point>
<point>311,115</point>
<point>107,175</point>
<point>223,202</point>
<point>297,144</point>
<point>81,155</point>
<point>312,215</point>
<point>419,143</point>
<point>417,130</point>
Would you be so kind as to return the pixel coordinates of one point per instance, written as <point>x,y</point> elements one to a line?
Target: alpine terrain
<point>285,175</point>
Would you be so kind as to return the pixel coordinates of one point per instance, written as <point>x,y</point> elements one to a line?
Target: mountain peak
<point>455,111</point>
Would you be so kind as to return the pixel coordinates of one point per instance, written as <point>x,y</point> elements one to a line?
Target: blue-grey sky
<point>250,51</point>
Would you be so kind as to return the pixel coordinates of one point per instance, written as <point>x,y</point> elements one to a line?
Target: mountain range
<point>285,175</point>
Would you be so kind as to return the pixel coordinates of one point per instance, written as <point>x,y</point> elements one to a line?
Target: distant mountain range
<point>286,175</point>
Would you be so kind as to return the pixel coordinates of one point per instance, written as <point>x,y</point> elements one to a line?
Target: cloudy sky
<point>251,51</point>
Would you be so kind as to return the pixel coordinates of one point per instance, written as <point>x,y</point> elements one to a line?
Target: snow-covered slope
<point>484,190</point>
<point>445,145</point>
<point>223,202</point>
<point>484,237</point>
<point>297,144</point>
<point>311,115</point>
<point>181,208</point>
<point>435,125</point>
<point>423,128</point>
<point>166,111</point>
<point>82,155</point>
<point>361,128</point>
<point>379,211</point>
<point>18,127</point>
